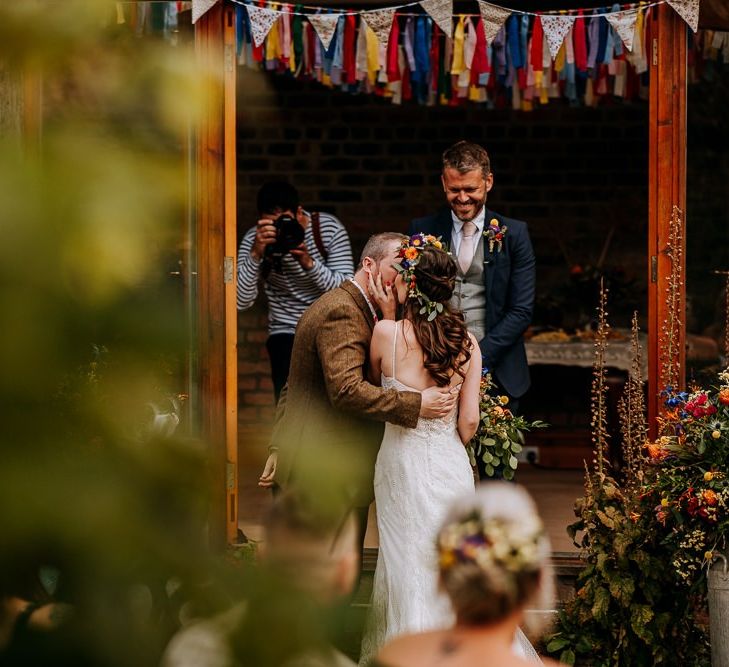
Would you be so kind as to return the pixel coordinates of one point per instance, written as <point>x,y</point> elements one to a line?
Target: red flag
<point>537,54</point>
<point>393,66</point>
<point>349,57</point>
<point>480,64</point>
<point>580,43</point>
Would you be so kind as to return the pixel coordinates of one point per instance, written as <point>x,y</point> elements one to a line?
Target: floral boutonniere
<point>494,234</point>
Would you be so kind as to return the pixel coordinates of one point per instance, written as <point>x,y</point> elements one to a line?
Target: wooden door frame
<point>216,209</point>
<point>215,200</point>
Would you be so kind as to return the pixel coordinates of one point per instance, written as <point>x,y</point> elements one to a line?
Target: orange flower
<point>724,397</point>
<point>411,253</point>
<point>710,497</point>
<point>656,452</point>
<point>430,238</point>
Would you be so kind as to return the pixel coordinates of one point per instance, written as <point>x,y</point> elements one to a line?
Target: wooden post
<point>667,186</point>
<point>216,330</point>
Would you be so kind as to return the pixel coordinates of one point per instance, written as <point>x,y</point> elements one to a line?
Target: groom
<point>331,418</point>
<point>496,275</point>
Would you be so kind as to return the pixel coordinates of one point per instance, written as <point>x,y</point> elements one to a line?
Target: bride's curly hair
<point>445,341</point>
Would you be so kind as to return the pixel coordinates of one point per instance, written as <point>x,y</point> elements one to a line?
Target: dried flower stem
<point>632,411</point>
<point>669,353</point>
<point>600,436</point>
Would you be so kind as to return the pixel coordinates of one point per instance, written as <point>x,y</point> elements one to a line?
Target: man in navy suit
<point>496,275</point>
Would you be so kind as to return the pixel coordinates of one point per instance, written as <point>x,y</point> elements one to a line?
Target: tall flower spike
<point>598,421</point>
<point>632,412</point>
<point>669,352</point>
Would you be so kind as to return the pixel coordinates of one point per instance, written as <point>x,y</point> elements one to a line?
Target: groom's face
<point>466,192</point>
<point>386,266</point>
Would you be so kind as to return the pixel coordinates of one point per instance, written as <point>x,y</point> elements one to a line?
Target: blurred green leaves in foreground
<point>93,210</point>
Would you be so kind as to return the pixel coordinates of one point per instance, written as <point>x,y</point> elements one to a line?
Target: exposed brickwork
<point>573,174</point>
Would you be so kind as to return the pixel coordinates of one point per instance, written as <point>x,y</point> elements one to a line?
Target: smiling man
<point>496,273</point>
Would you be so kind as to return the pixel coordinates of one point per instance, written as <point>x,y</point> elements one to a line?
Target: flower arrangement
<point>409,255</point>
<point>689,490</point>
<point>500,434</point>
<point>494,234</point>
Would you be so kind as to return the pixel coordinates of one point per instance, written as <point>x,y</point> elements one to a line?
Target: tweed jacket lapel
<point>352,290</point>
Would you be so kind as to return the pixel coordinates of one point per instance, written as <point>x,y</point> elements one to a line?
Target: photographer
<point>299,256</point>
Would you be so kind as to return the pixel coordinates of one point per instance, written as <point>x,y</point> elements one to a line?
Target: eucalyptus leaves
<point>500,434</point>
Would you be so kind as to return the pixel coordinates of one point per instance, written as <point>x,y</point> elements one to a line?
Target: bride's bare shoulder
<point>407,650</point>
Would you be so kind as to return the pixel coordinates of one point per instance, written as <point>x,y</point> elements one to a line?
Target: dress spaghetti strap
<point>394,349</point>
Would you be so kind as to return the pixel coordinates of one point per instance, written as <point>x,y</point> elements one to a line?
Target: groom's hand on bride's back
<point>437,402</point>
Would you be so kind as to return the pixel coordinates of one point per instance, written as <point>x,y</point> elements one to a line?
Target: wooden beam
<point>231,311</point>
<point>667,52</point>
<point>216,277</point>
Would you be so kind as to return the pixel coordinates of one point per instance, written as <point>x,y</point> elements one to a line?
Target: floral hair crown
<point>410,252</point>
<point>492,543</point>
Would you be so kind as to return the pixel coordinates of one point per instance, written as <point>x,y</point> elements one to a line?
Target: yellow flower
<point>503,400</point>
<point>494,222</point>
<point>447,558</point>
<point>709,555</point>
<point>716,435</point>
<point>708,476</point>
<point>438,245</point>
<point>664,502</point>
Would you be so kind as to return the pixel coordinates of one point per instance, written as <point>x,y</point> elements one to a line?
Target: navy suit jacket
<point>509,277</point>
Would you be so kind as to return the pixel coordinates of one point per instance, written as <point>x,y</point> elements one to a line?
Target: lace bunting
<point>441,11</point>
<point>688,10</point>
<point>624,24</point>
<point>493,19</point>
<point>381,23</point>
<point>262,20</point>
<point>199,7</point>
<point>555,30</point>
<point>325,26</point>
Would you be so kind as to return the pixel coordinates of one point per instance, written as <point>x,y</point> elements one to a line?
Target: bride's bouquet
<point>500,434</point>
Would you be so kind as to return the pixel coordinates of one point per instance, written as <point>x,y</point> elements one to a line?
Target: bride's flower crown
<point>492,544</point>
<point>410,252</point>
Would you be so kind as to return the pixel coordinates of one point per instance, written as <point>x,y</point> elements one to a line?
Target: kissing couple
<point>382,409</point>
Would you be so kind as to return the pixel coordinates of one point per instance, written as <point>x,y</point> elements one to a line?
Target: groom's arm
<point>343,345</point>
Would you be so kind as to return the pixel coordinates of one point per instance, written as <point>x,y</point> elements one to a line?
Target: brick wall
<point>570,173</point>
<point>573,174</point>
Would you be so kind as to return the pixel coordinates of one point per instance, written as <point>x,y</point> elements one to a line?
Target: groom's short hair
<point>377,246</point>
<point>465,156</point>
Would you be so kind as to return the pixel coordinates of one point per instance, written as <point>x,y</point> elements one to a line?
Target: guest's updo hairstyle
<point>494,555</point>
<point>444,339</point>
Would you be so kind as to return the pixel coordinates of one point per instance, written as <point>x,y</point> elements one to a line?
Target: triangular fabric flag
<point>493,18</point>
<point>688,10</point>
<point>262,20</point>
<point>199,7</point>
<point>325,26</point>
<point>441,11</point>
<point>555,29</point>
<point>624,24</point>
<point>380,22</point>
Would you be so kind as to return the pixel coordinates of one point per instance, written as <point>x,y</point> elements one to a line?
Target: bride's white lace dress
<point>419,471</point>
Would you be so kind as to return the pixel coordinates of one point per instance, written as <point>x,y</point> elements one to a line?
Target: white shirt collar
<point>478,221</point>
<point>366,298</point>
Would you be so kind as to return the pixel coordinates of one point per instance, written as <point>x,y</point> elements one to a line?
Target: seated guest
<point>309,564</point>
<point>493,564</point>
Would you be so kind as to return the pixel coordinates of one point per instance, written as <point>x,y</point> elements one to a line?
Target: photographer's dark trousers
<point>279,348</point>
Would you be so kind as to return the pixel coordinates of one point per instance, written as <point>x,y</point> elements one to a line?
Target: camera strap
<point>316,230</point>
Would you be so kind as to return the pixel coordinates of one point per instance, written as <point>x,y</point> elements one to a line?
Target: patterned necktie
<point>465,252</point>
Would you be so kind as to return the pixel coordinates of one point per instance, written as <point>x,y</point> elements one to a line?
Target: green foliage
<point>500,434</point>
<point>629,608</point>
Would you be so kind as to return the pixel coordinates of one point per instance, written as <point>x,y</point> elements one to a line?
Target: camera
<point>289,235</point>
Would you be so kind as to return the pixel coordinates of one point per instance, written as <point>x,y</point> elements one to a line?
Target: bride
<point>420,471</point>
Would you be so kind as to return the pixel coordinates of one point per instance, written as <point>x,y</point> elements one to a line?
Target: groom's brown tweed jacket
<point>333,418</point>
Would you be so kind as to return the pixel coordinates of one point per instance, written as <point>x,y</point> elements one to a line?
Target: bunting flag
<point>199,7</point>
<point>555,29</point>
<point>624,24</point>
<point>381,23</point>
<point>262,20</point>
<point>441,12</point>
<point>493,19</point>
<point>325,26</point>
<point>688,10</point>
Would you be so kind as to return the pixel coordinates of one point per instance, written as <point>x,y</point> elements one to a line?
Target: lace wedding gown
<point>419,472</point>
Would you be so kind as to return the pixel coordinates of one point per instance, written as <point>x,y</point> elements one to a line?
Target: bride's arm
<point>381,337</point>
<point>468,405</point>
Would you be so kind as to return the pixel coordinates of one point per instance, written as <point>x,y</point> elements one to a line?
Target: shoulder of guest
<point>407,650</point>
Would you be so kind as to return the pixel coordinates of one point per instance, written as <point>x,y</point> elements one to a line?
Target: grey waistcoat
<point>470,294</point>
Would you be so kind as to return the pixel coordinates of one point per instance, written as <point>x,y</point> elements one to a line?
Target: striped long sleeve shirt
<point>291,292</point>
